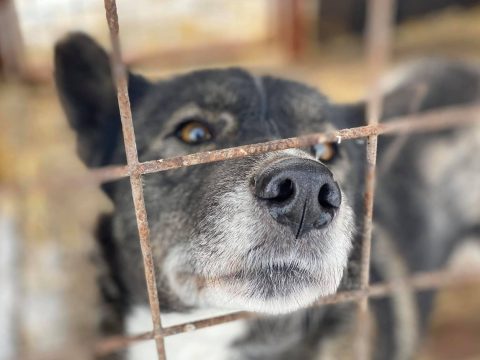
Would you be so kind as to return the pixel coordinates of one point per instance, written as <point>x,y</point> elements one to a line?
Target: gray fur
<point>214,242</point>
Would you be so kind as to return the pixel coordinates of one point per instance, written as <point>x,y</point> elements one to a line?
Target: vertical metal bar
<point>297,32</point>
<point>120,75</point>
<point>378,41</point>
<point>11,41</point>
<point>10,279</point>
<point>290,32</point>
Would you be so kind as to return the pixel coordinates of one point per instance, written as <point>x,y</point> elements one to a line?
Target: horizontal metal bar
<point>426,122</point>
<point>419,282</point>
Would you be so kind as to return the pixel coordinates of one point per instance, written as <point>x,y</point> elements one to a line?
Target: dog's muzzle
<point>300,193</point>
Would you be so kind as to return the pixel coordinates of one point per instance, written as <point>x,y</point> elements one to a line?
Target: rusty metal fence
<point>379,29</point>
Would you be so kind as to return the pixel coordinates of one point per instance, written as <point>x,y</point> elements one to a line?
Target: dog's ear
<point>402,100</point>
<point>416,87</point>
<point>87,92</point>
<point>422,86</point>
<point>429,85</point>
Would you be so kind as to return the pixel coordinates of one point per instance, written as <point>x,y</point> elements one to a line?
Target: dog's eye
<point>325,152</point>
<point>193,132</point>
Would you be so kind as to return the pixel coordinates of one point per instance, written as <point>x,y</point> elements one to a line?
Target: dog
<point>272,233</point>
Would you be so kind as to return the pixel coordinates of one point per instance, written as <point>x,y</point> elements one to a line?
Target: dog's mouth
<point>276,287</point>
<point>277,280</point>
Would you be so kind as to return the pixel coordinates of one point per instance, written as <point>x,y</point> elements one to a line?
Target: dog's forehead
<point>296,104</point>
<point>261,105</point>
<point>207,88</point>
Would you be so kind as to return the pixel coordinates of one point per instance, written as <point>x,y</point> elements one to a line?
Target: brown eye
<point>325,152</point>
<point>194,132</point>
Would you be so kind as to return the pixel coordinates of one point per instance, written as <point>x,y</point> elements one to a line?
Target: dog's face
<point>267,233</point>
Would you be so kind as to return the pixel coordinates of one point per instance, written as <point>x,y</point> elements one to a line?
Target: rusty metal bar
<point>419,282</point>
<point>291,28</point>
<point>120,76</point>
<point>378,41</point>
<point>11,41</point>
<point>429,121</point>
<point>425,122</point>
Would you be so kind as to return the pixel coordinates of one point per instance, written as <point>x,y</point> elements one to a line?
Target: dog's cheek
<point>178,274</point>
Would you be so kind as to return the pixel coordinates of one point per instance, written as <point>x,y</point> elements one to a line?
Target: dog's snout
<point>300,193</point>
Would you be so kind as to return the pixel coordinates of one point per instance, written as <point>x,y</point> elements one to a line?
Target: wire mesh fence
<point>378,45</point>
<point>378,41</point>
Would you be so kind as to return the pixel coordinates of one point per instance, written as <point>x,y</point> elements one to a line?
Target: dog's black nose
<point>300,193</point>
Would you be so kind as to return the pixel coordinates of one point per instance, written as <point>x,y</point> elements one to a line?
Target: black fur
<point>205,222</point>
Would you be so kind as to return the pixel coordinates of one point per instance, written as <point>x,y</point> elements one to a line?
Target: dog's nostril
<point>329,196</point>
<point>276,190</point>
<point>286,190</point>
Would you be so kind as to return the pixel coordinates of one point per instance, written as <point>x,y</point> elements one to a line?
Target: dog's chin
<point>273,290</point>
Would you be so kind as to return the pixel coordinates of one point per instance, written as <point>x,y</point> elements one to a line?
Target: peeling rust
<point>121,82</point>
<point>378,46</point>
<point>426,122</point>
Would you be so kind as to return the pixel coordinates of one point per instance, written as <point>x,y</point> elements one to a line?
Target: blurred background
<point>47,280</point>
